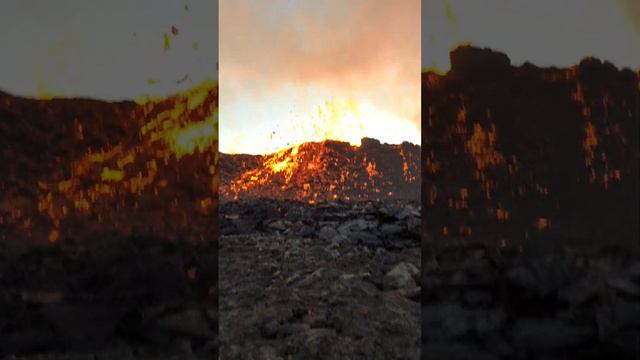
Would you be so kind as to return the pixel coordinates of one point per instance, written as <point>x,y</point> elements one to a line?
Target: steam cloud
<point>362,49</point>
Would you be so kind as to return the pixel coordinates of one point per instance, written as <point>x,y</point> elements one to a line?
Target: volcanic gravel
<point>325,281</point>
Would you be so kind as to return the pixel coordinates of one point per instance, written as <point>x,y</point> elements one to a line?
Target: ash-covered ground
<point>332,280</point>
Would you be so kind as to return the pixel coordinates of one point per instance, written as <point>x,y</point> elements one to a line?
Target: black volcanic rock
<point>368,143</point>
<point>527,306</point>
<point>474,64</point>
<point>338,292</point>
<point>507,150</point>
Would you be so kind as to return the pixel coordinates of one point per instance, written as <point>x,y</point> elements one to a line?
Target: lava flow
<point>325,170</point>
<point>145,167</point>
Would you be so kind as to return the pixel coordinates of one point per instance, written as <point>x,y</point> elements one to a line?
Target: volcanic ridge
<point>324,171</point>
<point>515,153</point>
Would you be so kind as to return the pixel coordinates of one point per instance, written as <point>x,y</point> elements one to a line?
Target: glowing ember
<point>542,224</point>
<point>107,175</point>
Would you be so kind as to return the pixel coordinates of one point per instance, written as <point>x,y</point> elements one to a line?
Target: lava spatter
<point>115,161</point>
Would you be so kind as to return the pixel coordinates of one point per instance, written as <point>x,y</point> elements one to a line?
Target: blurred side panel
<point>108,183</point>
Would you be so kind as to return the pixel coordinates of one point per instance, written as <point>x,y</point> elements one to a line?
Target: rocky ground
<point>110,298</point>
<point>325,281</point>
<point>491,303</point>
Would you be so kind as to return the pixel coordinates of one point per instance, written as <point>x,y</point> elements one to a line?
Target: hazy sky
<point>544,32</point>
<point>281,59</point>
<point>111,49</point>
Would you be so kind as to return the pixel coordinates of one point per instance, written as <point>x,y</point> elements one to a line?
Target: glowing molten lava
<point>187,125</point>
<point>326,170</point>
<point>142,164</point>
